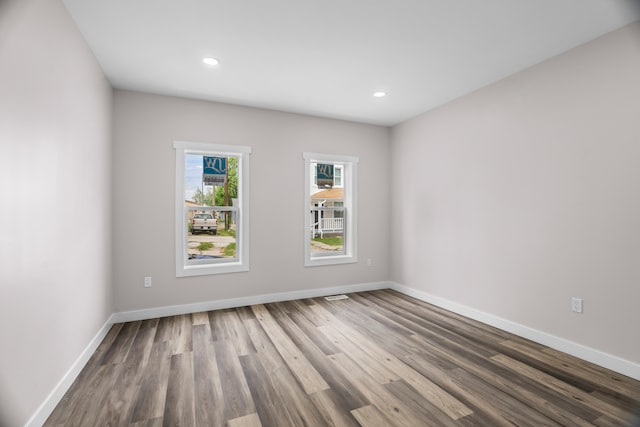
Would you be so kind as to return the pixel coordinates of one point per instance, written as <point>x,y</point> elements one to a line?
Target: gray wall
<point>145,127</point>
<point>510,200</point>
<point>55,186</point>
<point>521,195</point>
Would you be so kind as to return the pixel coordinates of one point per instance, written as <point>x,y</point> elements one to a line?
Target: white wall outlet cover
<point>576,305</point>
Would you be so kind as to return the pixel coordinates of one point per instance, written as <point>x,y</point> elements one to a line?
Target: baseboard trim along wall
<point>597,357</point>
<point>605,360</point>
<point>56,395</point>
<point>174,310</point>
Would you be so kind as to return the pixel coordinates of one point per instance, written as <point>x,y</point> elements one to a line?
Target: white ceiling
<point>327,57</point>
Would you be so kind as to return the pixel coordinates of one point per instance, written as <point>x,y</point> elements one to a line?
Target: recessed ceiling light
<point>210,61</point>
<point>380,94</point>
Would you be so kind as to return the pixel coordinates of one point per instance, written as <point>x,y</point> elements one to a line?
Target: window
<point>212,208</point>
<point>330,209</point>
<point>338,213</point>
<point>337,176</point>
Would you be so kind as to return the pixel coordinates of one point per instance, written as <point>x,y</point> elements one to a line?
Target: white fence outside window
<point>321,225</point>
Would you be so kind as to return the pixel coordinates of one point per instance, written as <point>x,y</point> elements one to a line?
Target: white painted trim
<point>241,263</point>
<point>53,399</point>
<point>205,147</point>
<point>350,185</point>
<point>605,360</point>
<point>589,354</point>
<point>329,158</point>
<point>152,313</point>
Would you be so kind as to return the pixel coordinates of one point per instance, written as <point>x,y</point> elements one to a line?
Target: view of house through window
<point>211,214</point>
<point>327,210</point>
<point>330,207</point>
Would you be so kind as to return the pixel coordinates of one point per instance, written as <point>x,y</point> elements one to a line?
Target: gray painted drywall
<point>510,200</point>
<point>526,193</point>
<point>145,127</point>
<point>55,182</point>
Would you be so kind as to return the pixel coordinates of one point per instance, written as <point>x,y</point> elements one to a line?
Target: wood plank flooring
<point>376,359</point>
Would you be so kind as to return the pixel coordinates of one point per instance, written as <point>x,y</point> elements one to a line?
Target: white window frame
<point>184,266</point>
<point>349,181</point>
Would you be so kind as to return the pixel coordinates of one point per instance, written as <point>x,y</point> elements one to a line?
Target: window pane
<point>338,213</point>
<point>210,183</point>
<point>328,229</point>
<point>327,212</point>
<point>212,208</point>
<point>337,176</point>
<point>330,209</point>
<point>208,239</point>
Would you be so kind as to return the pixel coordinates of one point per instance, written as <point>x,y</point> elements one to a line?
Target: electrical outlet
<point>147,282</point>
<point>576,305</point>
<point>369,262</point>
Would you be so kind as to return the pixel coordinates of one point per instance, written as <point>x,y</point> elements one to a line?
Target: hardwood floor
<point>376,359</point>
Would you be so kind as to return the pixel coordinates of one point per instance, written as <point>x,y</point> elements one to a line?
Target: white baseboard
<point>608,361</point>
<point>50,403</point>
<point>56,395</point>
<point>152,313</point>
<point>589,354</point>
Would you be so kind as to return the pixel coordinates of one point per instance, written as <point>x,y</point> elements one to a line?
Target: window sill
<point>330,260</point>
<point>202,270</point>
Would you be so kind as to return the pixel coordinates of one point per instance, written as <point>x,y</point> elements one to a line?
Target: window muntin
<point>330,209</point>
<point>212,207</point>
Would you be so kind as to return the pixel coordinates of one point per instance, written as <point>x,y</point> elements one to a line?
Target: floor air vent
<point>336,297</point>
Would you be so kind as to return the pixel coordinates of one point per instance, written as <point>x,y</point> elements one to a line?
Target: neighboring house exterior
<point>327,217</point>
<point>189,204</point>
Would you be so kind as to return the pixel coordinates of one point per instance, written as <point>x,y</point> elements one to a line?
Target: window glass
<point>330,209</point>
<point>212,208</point>
<point>337,176</point>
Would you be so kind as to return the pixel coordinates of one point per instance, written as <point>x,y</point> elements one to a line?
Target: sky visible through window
<point>192,175</point>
